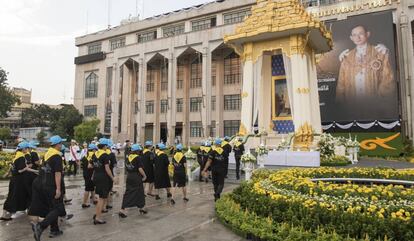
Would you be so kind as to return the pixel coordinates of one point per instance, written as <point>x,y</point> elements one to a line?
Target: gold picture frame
<point>274,104</point>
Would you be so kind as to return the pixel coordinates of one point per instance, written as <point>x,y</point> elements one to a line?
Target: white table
<point>290,158</point>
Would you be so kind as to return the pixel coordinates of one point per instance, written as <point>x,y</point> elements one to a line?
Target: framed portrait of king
<point>281,108</point>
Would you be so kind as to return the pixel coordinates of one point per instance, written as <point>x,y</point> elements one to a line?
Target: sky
<point>37,38</point>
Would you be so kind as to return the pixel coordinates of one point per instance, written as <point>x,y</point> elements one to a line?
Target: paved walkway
<point>192,221</point>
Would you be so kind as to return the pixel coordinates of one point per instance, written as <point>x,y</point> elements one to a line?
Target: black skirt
<point>89,185</point>
<point>149,171</point>
<point>39,205</point>
<point>162,179</point>
<point>103,185</point>
<point>180,178</point>
<point>18,197</point>
<point>134,193</point>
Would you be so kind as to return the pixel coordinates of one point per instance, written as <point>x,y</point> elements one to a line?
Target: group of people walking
<point>39,186</point>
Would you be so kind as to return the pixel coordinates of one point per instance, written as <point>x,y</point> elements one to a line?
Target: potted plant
<point>352,148</point>
<point>262,153</point>
<point>248,161</point>
<point>191,157</point>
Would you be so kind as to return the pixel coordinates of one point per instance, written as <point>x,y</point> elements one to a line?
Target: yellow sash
<point>219,150</point>
<point>238,143</point>
<point>207,149</point>
<point>108,151</point>
<point>90,155</point>
<point>51,152</point>
<point>18,155</point>
<point>131,157</point>
<point>159,153</point>
<point>145,150</point>
<point>99,153</point>
<point>224,143</point>
<point>178,156</point>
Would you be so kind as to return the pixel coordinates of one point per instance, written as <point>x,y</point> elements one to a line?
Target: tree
<point>5,134</point>
<point>37,116</point>
<point>41,137</point>
<point>86,131</point>
<point>64,120</point>
<point>7,97</point>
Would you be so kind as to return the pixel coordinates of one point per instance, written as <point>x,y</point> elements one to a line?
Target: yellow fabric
<point>131,157</point>
<point>224,143</point>
<point>18,155</point>
<point>51,152</point>
<point>108,151</point>
<point>219,150</point>
<point>238,143</point>
<point>145,150</point>
<point>202,148</point>
<point>99,153</point>
<point>171,169</point>
<point>90,155</point>
<point>178,156</point>
<point>207,149</point>
<point>159,153</point>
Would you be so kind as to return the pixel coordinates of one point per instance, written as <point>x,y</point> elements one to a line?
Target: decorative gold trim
<point>372,144</point>
<point>274,117</point>
<point>303,137</point>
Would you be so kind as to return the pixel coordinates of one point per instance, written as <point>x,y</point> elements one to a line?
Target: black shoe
<point>67,201</point>
<point>86,206</point>
<point>6,218</point>
<point>150,194</point>
<point>95,202</point>
<point>122,215</point>
<point>94,217</point>
<point>69,216</point>
<point>157,197</point>
<point>172,202</point>
<point>142,211</point>
<point>108,207</point>
<point>97,222</point>
<point>186,199</point>
<point>37,231</point>
<point>55,234</point>
<point>169,195</point>
<point>105,211</point>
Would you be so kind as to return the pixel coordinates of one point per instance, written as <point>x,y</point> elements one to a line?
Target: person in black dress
<point>47,199</point>
<point>162,178</point>
<point>206,153</point>
<point>200,160</point>
<point>238,152</point>
<point>148,162</point>
<point>102,177</point>
<point>134,195</point>
<point>87,167</point>
<point>217,161</point>
<point>227,150</point>
<point>180,172</point>
<point>112,164</point>
<point>17,198</point>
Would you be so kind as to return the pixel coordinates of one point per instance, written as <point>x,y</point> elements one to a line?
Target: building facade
<point>172,76</point>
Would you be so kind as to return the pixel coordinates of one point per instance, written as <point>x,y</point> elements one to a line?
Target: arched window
<point>91,86</point>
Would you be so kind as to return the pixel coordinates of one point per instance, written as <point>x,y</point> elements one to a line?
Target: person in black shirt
<point>227,150</point>
<point>87,167</point>
<point>47,191</point>
<point>217,161</point>
<point>112,164</point>
<point>33,162</point>
<point>134,193</point>
<point>179,162</point>
<point>102,178</point>
<point>206,153</point>
<point>148,158</point>
<point>162,178</point>
<point>200,161</point>
<point>238,152</point>
<point>17,197</point>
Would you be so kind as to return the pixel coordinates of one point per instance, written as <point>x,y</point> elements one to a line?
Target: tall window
<point>213,103</point>
<point>117,43</point>
<point>213,72</point>
<point>180,105</point>
<point>164,78</point>
<point>136,109</point>
<point>231,127</point>
<point>195,104</point>
<point>94,48</point>
<point>180,77</point>
<point>108,112</point>
<point>196,128</point>
<point>236,17</point>
<point>232,69</point>
<point>147,36</point>
<point>150,80</point>
<point>213,129</point>
<point>90,111</point>
<point>203,24</point>
<point>170,31</point>
<point>109,74</point>
<point>91,86</point>
<point>232,102</point>
<point>164,106</point>
<point>196,74</point>
<point>149,107</point>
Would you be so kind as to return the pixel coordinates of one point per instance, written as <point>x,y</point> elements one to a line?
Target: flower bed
<point>376,212</point>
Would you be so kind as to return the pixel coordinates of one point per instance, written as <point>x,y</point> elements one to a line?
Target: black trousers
<point>218,181</point>
<point>73,170</point>
<point>56,210</point>
<point>227,167</point>
<point>201,164</point>
<point>238,166</point>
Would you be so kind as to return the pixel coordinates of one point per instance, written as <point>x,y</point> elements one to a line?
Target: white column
<point>247,96</point>
<point>172,68</point>
<point>143,89</point>
<point>114,103</point>
<point>206,88</point>
<point>138,117</point>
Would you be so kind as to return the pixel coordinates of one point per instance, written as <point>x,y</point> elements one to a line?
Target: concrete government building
<point>172,76</point>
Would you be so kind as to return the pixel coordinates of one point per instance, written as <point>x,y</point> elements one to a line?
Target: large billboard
<point>358,80</point>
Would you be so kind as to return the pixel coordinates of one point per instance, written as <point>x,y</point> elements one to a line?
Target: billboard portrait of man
<point>365,73</point>
<point>357,79</point>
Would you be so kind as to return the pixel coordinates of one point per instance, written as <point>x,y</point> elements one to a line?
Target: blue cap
<point>110,142</point>
<point>208,143</point>
<point>23,145</point>
<point>33,144</point>
<point>226,138</point>
<point>148,143</point>
<point>217,141</point>
<point>56,140</point>
<point>161,146</point>
<point>92,147</point>
<point>179,147</point>
<point>104,141</point>
<point>136,147</point>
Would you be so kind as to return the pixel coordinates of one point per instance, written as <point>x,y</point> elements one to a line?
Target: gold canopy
<point>272,19</point>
